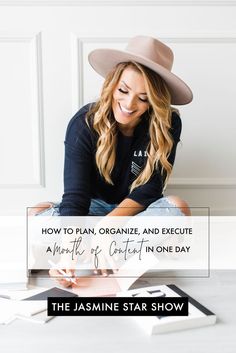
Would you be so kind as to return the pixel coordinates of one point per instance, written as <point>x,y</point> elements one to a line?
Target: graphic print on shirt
<point>140,153</point>
<point>138,161</point>
<point>135,168</point>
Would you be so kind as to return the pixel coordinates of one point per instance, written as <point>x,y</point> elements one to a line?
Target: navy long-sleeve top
<point>82,180</point>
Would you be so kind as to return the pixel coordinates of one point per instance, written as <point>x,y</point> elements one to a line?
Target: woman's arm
<point>77,167</point>
<point>127,207</point>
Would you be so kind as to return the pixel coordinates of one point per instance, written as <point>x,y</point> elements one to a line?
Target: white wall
<point>45,78</point>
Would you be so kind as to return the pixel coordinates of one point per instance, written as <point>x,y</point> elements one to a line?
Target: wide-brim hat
<point>149,52</point>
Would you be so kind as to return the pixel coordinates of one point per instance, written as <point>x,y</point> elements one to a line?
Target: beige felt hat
<point>149,52</point>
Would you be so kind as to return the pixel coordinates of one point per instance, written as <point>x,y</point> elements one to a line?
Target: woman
<point>120,150</point>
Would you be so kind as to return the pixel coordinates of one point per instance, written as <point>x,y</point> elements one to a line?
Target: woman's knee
<point>181,204</point>
<point>33,211</point>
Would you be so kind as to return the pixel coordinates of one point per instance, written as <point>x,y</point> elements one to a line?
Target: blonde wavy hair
<point>100,117</point>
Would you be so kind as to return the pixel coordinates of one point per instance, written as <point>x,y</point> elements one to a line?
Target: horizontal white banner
<point>94,242</point>
<point>15,252</point>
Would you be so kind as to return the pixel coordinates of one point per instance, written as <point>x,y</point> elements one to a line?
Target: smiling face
<point>129,100</point>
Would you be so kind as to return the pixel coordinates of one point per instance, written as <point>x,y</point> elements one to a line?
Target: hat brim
<point>104,60</point>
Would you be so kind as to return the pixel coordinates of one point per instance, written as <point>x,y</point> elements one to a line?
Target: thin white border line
<point>206,183</point>
<point>120,3</point>
<point>181,38</point>
<point>40,106</point>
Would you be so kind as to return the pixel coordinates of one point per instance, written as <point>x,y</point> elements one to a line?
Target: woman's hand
<point>39,208</point>
<point>62,279</point>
